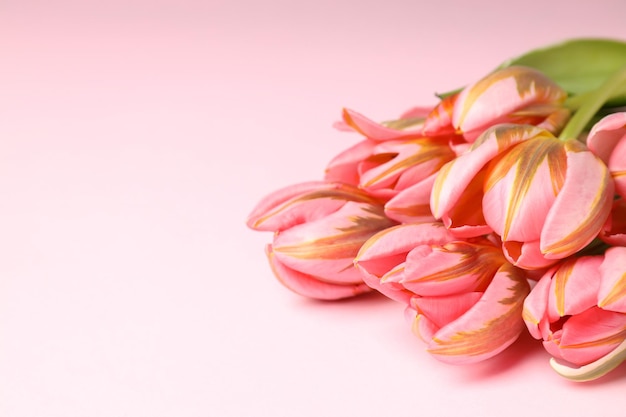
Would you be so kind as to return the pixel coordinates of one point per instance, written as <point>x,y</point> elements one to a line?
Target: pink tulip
<point>466,299</point>
<point>546,198</point>
<point>578,309</point>
<point>514,94</point>
<point>319,228</point>
<point>607,139</point>
<point>490,324</point>
<point>457,193</point>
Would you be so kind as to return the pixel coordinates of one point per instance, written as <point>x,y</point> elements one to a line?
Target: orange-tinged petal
<point>301,203</point>
<point>326,247</point>
<point>591,335</point>
<point>592,370</point>
<point>311,286</point>
<point>387,250</point>
<point>453,268</point>
<point>574,287</point>
<point>536,307</point>
<point>522,186</point>
<point>459,182</point>
<point>490,326</point>
<point>439,121</point>
<point>581,207</point>
<point>612,292</point>
<point>490,100</point>
<point>412,205</point>
<point>377,131</point>
<point>396,165</point>
<point>526,255</point>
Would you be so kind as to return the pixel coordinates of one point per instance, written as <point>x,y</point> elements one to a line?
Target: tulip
<point>607,139</point>
<point>457,193</point>
<point>547,199</point>
<point>515,94</point>
<point>578,309</point>
<point>319,228</point>
<point>465,298</point>
<point>491,323</point>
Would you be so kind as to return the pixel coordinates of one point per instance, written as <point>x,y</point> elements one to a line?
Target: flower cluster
<point>501,209</point>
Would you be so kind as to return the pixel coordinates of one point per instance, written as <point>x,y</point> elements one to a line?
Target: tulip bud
<point>319,228</point>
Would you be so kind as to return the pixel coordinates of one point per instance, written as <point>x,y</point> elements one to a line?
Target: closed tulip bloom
<point>474,326</point>
<point>547,199</point>
<point>465,298</point>
<point>515,94</point>
<point>457,193</point>
<point>607,139</point>
<point>319,228</point>
<point>578,309</point>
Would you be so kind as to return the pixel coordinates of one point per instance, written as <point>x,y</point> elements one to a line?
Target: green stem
<point>589,103</point>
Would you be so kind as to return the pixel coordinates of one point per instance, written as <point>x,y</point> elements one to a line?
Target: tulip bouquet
<point>501,209</point>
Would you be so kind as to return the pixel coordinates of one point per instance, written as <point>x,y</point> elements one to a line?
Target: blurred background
<point>136,136</point>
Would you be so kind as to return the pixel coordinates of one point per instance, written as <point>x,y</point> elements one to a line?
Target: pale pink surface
<point>136,138</point>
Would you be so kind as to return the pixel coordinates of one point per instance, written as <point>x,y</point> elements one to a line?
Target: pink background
<point>136,137</point>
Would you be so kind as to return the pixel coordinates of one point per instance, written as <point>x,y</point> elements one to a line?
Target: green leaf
<point>577,65</point>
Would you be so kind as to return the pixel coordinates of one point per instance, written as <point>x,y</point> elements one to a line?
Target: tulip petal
<point>443,310</point>
<point>326,247</point>
<point>386,251</point>
<point>591,335</point>
<point>412,205</point>
<point>490,326</point>
<point>345,166</point>
<point>617,166</point>
<point>614,229</point>
<point>373,130</point>
<point>424,328</point>
<point>522,186</point>
<point>492,98</point>
<point>396,165</point>
<point>455,267</point>
<point>439,121</point>
<point>536,307</point>
<point>310,286</point>
<point>593,370</point>
<point>459,183</point>
<point>301,203</point>
<point>581,207</point>
<point>605,135</point>
<point>526,255</point>
<point>612,292</point>
<point>574,287</point>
